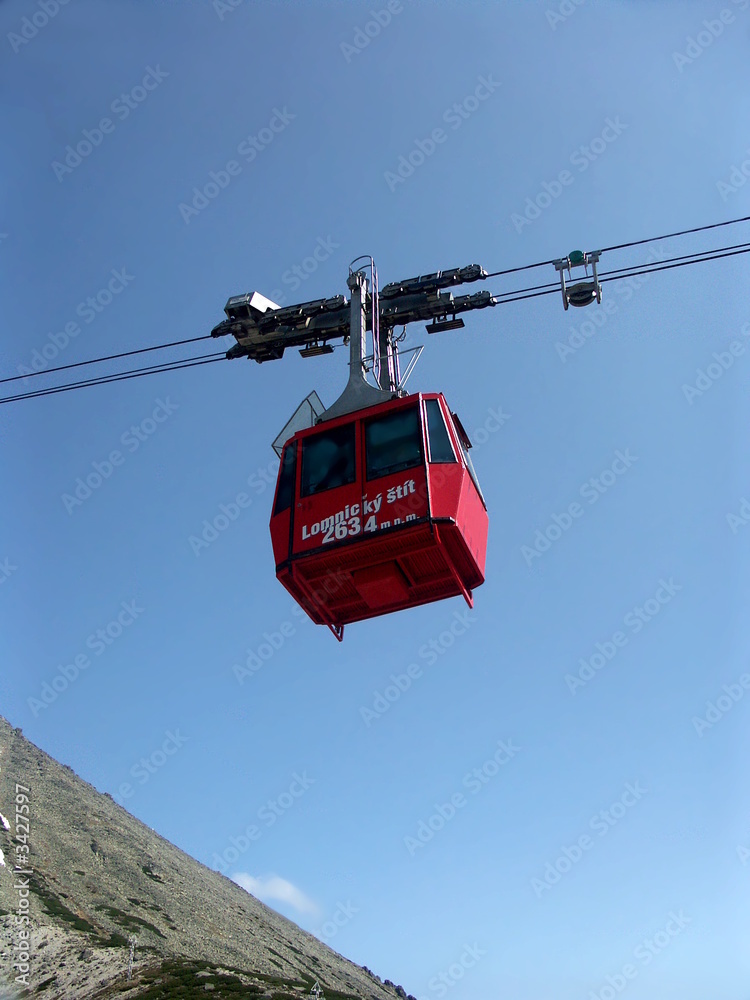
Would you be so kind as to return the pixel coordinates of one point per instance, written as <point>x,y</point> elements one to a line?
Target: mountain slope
<point>100,876</point>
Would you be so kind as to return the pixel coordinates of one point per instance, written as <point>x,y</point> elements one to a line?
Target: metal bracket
<point>582,293</point>
<point>416,353</point>
<point>263,330</point>
<point>439,324</point>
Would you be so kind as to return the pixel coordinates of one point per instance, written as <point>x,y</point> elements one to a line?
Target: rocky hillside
<point>101,876</point>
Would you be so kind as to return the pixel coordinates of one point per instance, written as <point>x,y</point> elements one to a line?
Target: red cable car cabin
<point>379,510</point>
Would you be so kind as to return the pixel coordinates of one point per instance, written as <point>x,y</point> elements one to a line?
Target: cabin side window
<point>328,460</point>
<point>441,449</point>
<point>393,443</point>
<point>285,493</point>
<point>463,440</point>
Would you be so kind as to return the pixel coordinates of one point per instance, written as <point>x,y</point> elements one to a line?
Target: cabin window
<point>393,443</point>
<point>437,434</point>
<point>285,492</point>
<point>463,440</point>
<point>328,460</point>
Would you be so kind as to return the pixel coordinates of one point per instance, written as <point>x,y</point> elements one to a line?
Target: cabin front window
<point>393,443</point>
<point>441,449</point>
<point>328,460</point>
<point>463,440</point>
<point>285,493</point>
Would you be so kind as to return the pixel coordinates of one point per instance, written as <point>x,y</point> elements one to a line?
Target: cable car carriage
<point>378,511</point>
<point>377,505</point>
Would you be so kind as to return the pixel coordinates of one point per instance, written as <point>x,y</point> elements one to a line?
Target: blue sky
<point>607,820</point>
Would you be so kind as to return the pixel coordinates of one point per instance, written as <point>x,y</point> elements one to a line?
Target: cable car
<point>377,506</point>
<point>379,510</point>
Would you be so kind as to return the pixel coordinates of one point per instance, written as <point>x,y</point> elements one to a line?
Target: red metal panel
<point>473,522</point>
<point>359,510</point>
<point>446,482</point>
<point>280,535</point>
<point>381,586</point>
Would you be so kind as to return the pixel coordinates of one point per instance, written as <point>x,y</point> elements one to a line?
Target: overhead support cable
<point>301,322</point>
<point>110,357</point>
<point>683,232</point>
<point>118,377</point>
<point>632,271</point>
<point>623,246</point>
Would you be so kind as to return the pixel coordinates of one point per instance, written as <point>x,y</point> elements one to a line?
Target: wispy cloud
<point>273,888</point>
